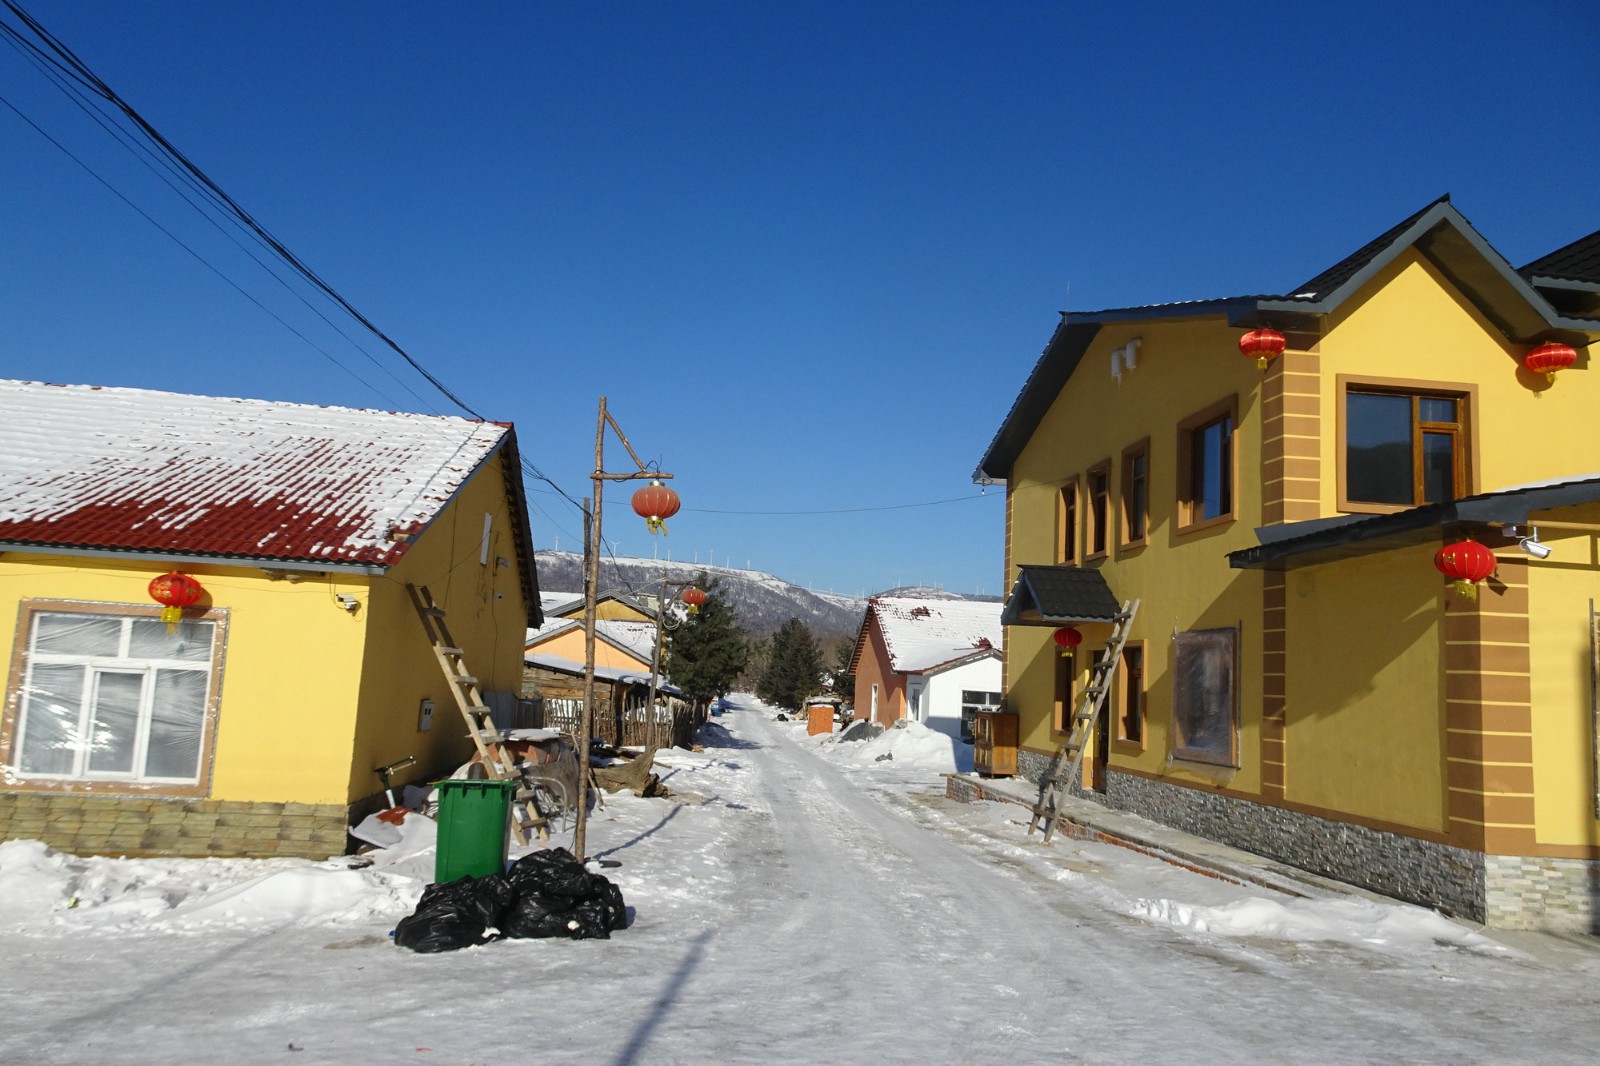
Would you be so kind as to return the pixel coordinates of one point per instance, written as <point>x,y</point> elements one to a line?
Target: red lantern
<point>1548,358</point>
<point>1066,639</point>
<point>655,503</point>
<point>694,598</point>
<point>174,592</point>
<point>1465,563</point>
<point>1262,345</point>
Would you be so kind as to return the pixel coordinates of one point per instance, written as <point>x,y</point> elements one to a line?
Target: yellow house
<point>1301,680</point>
<point>253,725</point>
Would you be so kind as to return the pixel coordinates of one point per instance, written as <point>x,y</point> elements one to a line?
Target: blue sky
<point>809,252</point>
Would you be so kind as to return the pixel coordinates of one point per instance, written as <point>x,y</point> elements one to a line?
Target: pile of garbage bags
<point>543,894</point>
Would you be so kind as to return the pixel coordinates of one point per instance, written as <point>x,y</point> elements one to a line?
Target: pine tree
<point>794,667</point>
<point>709,650</point>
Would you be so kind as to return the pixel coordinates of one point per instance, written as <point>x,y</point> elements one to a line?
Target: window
<point>1135,494</point>
<point>971,703</point>
<point>1403,447</point>
<point>1204,709</point>
<point>1205,466</point>
<point>1130,690</point>
<point>1099,478</point>
<point>1066,675</point>
<point>1067,524</point>
<point>113,697</point>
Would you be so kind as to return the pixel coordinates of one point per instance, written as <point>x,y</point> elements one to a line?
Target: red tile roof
<point>86,468</point>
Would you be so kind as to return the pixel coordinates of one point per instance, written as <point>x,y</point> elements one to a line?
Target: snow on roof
<point>135,470</point>
<point>636,638</point>
<point>923,634</point>
<point>561,664</point>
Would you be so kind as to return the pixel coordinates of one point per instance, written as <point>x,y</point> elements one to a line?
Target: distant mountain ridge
<point>762,602</point>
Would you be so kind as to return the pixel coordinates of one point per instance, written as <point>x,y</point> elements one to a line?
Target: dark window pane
<point>1203,721</point>
<point>1213,469</point>
<point>1438,467</point>
<point>1436,409</point>
<point>1378,448</point>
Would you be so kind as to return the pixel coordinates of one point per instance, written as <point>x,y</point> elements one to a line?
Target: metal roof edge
<point>181,558</point>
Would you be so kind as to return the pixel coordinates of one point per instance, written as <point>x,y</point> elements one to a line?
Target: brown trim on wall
<point>1291,439</point>
<point>1489,714</point>
<point>1274,685</point>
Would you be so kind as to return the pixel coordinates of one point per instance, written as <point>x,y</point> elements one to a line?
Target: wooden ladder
<point>525,817</point>
<point>1065,766</point>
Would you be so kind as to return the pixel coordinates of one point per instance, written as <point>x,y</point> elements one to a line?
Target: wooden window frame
<point>1467,465</point>
<point>1066,667</point>
<point>1180,751</point>
<point>1187,429</point>
<point>1098,516</point>
<point>1069,539</point>
<point>13,705</point>
<point>1132,690</point>
<point>1126,511</point>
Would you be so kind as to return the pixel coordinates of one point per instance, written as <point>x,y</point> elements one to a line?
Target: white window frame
<point>94,668</point>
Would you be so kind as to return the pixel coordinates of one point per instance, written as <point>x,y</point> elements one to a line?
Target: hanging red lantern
<point>1262,345</point>
<point>1465,563</point>
<point>174,592</point>
<point>655,503</point>
<point>1548,358</point>
<point>1066,639</point>
<point>694,598</point>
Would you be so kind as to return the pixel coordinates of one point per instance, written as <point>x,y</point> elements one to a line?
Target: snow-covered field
<point>800,900</point>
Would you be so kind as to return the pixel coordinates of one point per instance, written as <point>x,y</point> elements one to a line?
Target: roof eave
<point>191,559</point>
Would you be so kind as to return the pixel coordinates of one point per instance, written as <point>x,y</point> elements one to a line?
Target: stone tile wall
<point>1536,893</point>
<point>136,827</point>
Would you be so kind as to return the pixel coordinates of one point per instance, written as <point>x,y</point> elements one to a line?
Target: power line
<point>853,510</point>
<point>66,64</point>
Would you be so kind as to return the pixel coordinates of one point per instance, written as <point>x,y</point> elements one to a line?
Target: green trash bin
<point>474,820</point>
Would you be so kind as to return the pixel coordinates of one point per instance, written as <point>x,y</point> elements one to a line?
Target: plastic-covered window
<point>107,697</point>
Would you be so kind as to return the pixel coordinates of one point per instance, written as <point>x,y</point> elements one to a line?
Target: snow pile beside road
<point>907,746</point>
<point>44,888</point>
<point>1360,922</point>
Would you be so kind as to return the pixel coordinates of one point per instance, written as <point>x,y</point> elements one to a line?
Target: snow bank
<point>908,746</point>
<point>1359,922</point>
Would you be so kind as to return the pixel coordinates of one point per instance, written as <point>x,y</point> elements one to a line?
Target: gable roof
<point>1055,595</point>
<point>637,639</point>
<point>1438,231</point>
<point>117,471</point>
<point>923,635</point>
<point>1577,262</point>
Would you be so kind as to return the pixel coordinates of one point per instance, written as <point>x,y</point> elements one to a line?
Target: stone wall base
<point>1527,892</point>
<point>175,828</point>
<point>1502,891</point>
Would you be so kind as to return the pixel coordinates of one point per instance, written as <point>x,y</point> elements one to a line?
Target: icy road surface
<point>801,901</point>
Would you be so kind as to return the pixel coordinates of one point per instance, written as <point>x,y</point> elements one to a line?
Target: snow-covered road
<point>801,902</point>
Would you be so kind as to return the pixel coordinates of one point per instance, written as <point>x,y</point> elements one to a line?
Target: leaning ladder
<point>525,819</point>
<point>1065,766</point>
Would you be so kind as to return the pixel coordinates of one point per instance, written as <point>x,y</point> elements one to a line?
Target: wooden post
<point>591,582</point>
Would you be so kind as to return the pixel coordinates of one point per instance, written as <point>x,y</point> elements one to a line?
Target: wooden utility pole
<point>592,544</point>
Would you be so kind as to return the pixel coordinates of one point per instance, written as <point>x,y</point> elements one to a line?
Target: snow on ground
<point>799,899</point>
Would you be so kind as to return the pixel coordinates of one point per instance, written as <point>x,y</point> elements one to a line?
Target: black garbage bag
<point>456,914</point>
<point>556,896</point>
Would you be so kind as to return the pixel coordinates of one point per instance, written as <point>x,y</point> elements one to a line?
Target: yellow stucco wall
<point>485,614</point>
<point>314,696</point>
<point>1184,367</point>
<point>569,645</point>
<point>1364,732</point>
<point>1365,714</point>
<point>1562,590</point>
<point>288,695</point>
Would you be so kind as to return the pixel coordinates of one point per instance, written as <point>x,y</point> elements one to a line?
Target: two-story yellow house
<point>252,722</point>
<point>1301,680</point>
